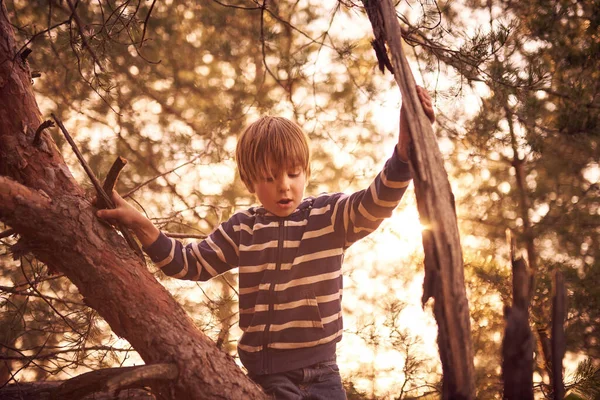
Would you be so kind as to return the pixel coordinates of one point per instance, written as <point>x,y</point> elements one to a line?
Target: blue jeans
<point>321,381</point>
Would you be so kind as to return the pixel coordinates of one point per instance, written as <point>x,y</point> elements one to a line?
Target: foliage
<point>585,381</point>
<point>166,83</point>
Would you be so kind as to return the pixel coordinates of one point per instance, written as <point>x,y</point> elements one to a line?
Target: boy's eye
<point>294,172</point>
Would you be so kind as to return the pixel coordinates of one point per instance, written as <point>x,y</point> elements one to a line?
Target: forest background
<point>169,86</point>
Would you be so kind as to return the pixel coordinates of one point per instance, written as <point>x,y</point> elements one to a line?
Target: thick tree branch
<point>444,275</point>
<point>90,254</point>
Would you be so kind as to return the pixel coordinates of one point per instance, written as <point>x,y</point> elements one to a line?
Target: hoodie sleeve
<point>198,261</point>
<point>355,216</point>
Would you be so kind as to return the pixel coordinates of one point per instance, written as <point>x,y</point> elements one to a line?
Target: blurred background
<point>170,85</point>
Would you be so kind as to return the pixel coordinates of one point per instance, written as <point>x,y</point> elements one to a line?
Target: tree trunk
<point>444,270</point>
<point>42,202</point>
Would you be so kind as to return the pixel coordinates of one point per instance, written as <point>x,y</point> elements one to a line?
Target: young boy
<point>289,252</point>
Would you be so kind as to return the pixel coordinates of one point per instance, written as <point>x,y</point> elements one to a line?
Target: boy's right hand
<point>127,215</point>
<point>123,213</point>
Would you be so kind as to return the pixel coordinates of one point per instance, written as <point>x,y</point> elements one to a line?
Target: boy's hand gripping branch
<point>404,138</point>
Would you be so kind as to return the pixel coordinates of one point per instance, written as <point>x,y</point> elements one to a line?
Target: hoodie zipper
<point>267,335</point>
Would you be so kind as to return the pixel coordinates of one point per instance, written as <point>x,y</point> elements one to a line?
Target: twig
<point>25,293</point>
<point>146,23</point>
<point>230,285</point>
<point>38,133</point>
<point>54,354</point>
<point>100,191</point>
<point>184,235</point>
<point>47,30</point>
<point>135,189</point>
<point>82,34</point>
<point>263,44</point>
<point>84,164</point>
<point>236,7</point>
<point>41,296</point>
<point>7,233</point>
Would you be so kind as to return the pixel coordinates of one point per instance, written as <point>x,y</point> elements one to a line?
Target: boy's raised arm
<point>125,213</point>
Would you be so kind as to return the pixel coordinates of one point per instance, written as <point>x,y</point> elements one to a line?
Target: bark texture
<point>42,202</point>
<point>444,270</point>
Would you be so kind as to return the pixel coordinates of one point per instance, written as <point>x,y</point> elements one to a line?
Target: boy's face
<point>282,192</point>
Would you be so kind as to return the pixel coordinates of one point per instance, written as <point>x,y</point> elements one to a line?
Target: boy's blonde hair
<point>268,145</point>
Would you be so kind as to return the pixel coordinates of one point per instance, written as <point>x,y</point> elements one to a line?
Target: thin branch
<point>51,355</point>
<point>26,364</point>
<point>13,290</point>
<point>149,162</point>
<point>84,164</point>
<point>263,46</point>
<point>237,7</point>
<point>558,342</point>
<point>82,34</point>
<point>175,235</point>
<point>146,23</point>
<point>135,189</point>
<point>232,287</point>
<point>32,286</point>
<point>34,36</point>
<point>99,190</point>
<point>7,233</point>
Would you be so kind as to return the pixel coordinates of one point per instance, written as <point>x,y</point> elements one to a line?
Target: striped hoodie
<point>290,282</point>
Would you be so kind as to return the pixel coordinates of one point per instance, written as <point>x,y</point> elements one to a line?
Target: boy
<point>289,252</point>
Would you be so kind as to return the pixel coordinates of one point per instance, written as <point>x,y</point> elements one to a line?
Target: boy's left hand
<point>426,103</point>
<point>404,138</point>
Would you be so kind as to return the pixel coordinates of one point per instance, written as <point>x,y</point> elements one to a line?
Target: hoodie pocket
<point>312,307</point>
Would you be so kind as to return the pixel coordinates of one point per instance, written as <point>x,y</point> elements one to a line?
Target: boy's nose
<point>284,183</point>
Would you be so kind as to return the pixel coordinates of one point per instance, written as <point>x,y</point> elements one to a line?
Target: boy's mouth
<point>284,201</point>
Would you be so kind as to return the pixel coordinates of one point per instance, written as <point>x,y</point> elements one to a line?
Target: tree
<point>531,146</point>
<point>193,122</point>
